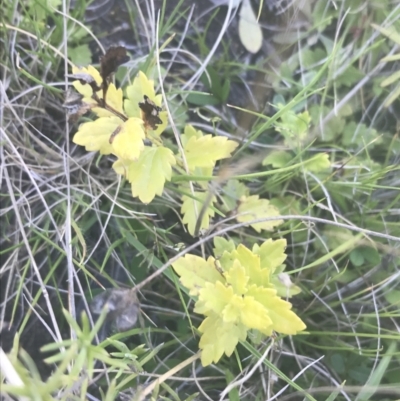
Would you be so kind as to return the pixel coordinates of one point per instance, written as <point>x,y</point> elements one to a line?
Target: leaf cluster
<point>131,125</point>
<point>237,290</point>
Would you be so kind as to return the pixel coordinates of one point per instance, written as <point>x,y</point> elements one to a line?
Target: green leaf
<point>338,363</point>
<point>213,82</point>
<point>40,9</point>
<point>278,159</point>
<point>252,208</point>
<point>366,254</point>
<point>393,297</point>
<point>356,257</point>
<point>80,55</point>
<point>234,392</point>
<point>323,15</point>
<point>225,91</point>
<point>333,128</point>
<point>191,209</point>
<point>231,194</point>
<point>318,163</point>
<point>192,397</point>
<point>294,127</point>
<point>349,77</point>
<point>360,135</point>
<point>311,57</point>
<point>148,174</point>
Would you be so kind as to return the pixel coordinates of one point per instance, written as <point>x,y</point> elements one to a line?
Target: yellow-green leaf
<point>214,297</point>
<point>221,245</point>
<point>114,96</point>
<point>95,135</point>
<point>251,264</point>
<point>234,293</point>
<point>195,272</point>
<point>86,89</point>
<point>254,315</point>
<point>190,132</point>
<point>212,348</point>
<point>278,159</point>
<point>191,209</point>
<point>237,278</point>
<point>135,93</point>
<point>121,166</point>
<point>294,127</point>
<point>272,253</point>
<point>318,163</point>
<point>114,99</point>
<point>204,150</point>
<point>252,208</point>
<point>232,311</point>
<point>283,319</point>
<point>128,143</point>
<point>148,174</point>
<point>218,338</point>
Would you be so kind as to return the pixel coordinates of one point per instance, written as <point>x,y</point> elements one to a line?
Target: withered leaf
<point>150,113</point>
<point>109,63</point>
<point>74,105</point>
<point>84,78</point>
